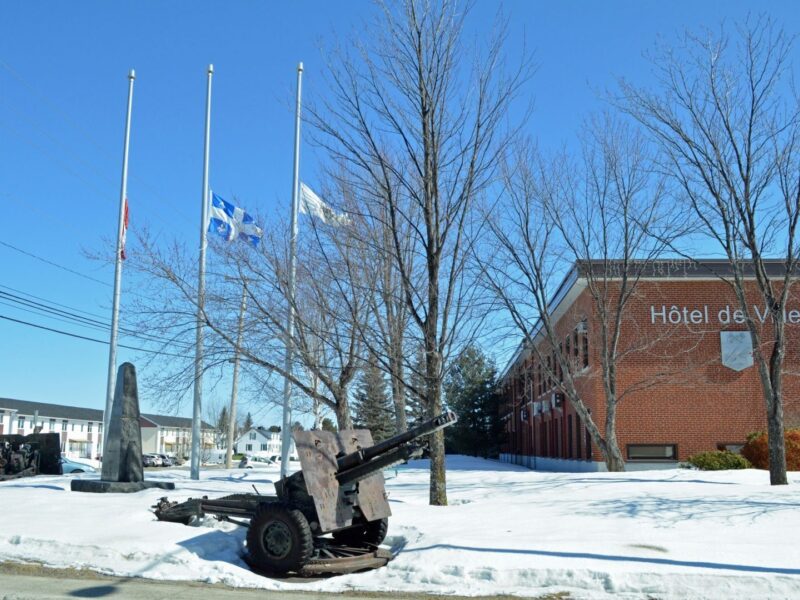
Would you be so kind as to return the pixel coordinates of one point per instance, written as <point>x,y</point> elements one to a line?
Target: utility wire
<point>83,337</point>
<point>54,264</point>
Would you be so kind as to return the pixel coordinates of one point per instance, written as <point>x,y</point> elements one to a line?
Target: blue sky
<point>63,86</point>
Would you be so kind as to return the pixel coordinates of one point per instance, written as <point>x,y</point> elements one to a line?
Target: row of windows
<point>51,425</point>
<point>249,447</point>
<point>547,374</point>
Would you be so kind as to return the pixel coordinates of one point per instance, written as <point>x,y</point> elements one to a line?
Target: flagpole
<point>232,411</point>
<point>112,346</point>
<point>286,430</point>
<point>201,294</point>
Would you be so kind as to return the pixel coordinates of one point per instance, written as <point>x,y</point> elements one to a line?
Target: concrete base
<point>562,465</point>
<point>117,487</point>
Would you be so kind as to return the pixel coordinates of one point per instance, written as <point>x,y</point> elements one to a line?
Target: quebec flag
<point>231,222</point>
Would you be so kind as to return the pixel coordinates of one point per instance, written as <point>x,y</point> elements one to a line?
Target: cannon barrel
<point>365,455</point>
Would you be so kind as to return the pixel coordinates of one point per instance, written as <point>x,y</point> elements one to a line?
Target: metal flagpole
<point>112,347</point>
<point>286,430</point>
<point>201,294</point>
<point>232,411</point>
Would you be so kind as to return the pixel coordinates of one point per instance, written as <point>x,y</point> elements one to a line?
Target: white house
<point>81,429</point>
<point>258,441</point>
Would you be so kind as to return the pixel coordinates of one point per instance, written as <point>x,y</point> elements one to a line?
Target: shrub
<point>756,450</point>
<point>718,460</point>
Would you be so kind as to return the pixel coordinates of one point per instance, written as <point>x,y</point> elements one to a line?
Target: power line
<point>83,337</point>
<point>51,312</point>
<point>54,264</point>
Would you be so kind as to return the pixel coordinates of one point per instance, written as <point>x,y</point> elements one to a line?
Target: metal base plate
<point>333,559</point>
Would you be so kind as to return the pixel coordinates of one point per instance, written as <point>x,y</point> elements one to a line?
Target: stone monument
<point>122,450</point>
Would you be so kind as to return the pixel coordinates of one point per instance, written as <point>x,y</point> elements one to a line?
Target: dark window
<point>560,371</point>
<point>576,346</point>
<point>21,423</point>
<point>52,424</point>
<point>549,373</point>
<point>578,438</point>
<point>89,428</point>
<point>588,445</point>
<point>652,452</point>
<point>569,435</point>
<point>63,425</point>
<point>585,343</point>
<point>734,447</point>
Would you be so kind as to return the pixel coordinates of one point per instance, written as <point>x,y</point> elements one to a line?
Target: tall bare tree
<point>596,214</point>
<point>727,121</point>
<point>415,133</point>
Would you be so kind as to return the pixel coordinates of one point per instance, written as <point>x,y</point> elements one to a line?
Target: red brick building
<point>686,379</point>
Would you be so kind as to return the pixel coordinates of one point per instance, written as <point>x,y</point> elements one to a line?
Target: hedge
<point>756,450</point>
<point>718,460</point>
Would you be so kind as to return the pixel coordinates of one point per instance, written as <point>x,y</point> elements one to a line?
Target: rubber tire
<point>371,533</point>
<point>302,542</point>
<point>77,471</point>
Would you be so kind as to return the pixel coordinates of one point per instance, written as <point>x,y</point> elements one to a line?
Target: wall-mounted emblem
<point>737,349</point>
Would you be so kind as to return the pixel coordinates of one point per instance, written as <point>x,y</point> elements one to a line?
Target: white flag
<point>311,204</point>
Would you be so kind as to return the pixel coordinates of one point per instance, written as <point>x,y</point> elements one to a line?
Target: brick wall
<point>672,385</point>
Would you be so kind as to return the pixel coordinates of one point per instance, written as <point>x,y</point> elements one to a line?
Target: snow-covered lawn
<point>657,534</point>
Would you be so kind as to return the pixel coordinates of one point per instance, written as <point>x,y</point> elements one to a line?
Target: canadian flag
<point>124,231</point>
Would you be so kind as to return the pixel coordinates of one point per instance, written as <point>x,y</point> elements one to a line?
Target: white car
<point>255,462</point>
<point>70,466</point>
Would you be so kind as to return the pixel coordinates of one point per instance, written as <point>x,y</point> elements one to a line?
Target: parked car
<point>70,466</point>
<point>150,460</point>
<point>255,462</point>
<point>166,461</point>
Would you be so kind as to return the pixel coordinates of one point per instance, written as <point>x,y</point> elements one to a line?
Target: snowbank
<point>508,530</point>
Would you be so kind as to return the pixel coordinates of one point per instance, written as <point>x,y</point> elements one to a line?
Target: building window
<point>585,342</point>
<point>21,423</point>
<point>52,424</point>
<point>73,427</point>
<point>63,425</point>
<point>735,448</point>
<point>248,447</point>
<point>588,444</point>
<point>578,438</point>
<point>652,452</point>
<point>81,427</point>
<point>89,428</point>
<point>569,436</point>
<point>252,435</point>
<point>263,447</point>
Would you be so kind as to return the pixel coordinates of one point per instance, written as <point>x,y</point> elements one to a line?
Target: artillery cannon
<point>339,491</point>
<point>34,454</point>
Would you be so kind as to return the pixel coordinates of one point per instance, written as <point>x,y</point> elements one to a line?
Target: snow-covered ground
<point>656,534</point>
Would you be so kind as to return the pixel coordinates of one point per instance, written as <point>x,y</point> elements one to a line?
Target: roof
<point>677,268</point>
<point>78,413</point>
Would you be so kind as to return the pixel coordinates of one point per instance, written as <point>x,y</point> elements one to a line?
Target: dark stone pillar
<point>122,450</point>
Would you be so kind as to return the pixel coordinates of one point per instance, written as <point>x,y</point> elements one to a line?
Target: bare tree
<point>413,133</point>
<point>726,120</point>
<point>596,214</point>
<point>326,340</point>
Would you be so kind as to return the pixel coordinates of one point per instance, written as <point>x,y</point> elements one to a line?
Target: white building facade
<point>81,429</point>
<point>262,442</point>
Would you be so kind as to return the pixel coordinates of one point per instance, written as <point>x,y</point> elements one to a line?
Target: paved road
<point>31,582</point>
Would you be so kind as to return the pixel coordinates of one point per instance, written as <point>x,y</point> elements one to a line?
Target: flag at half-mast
<point>124,231</point>
<point>311,204</point>
<point>232,222</point>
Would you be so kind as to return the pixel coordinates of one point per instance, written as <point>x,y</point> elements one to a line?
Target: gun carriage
<point>339,491</point>
<point>34,454</point>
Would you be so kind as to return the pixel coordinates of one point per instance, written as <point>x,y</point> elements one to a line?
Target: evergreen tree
<point>470,391</point>
<point>328,425</point>
<point>373,408</point>
<point>222,427</point>
<point>274,429</point>
<point>248,423</point>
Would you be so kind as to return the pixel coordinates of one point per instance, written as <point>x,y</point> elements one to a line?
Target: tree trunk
<point>343,419</point>
<point>775,437</point>
<point>399,399</point>
<point>438,485</point>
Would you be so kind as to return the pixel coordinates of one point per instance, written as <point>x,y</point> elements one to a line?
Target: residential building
<point>81,429</point>
<point>259,441</point>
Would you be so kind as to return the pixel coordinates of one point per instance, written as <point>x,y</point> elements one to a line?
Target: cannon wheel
<point>370,533</point>
<point>279,538</point>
